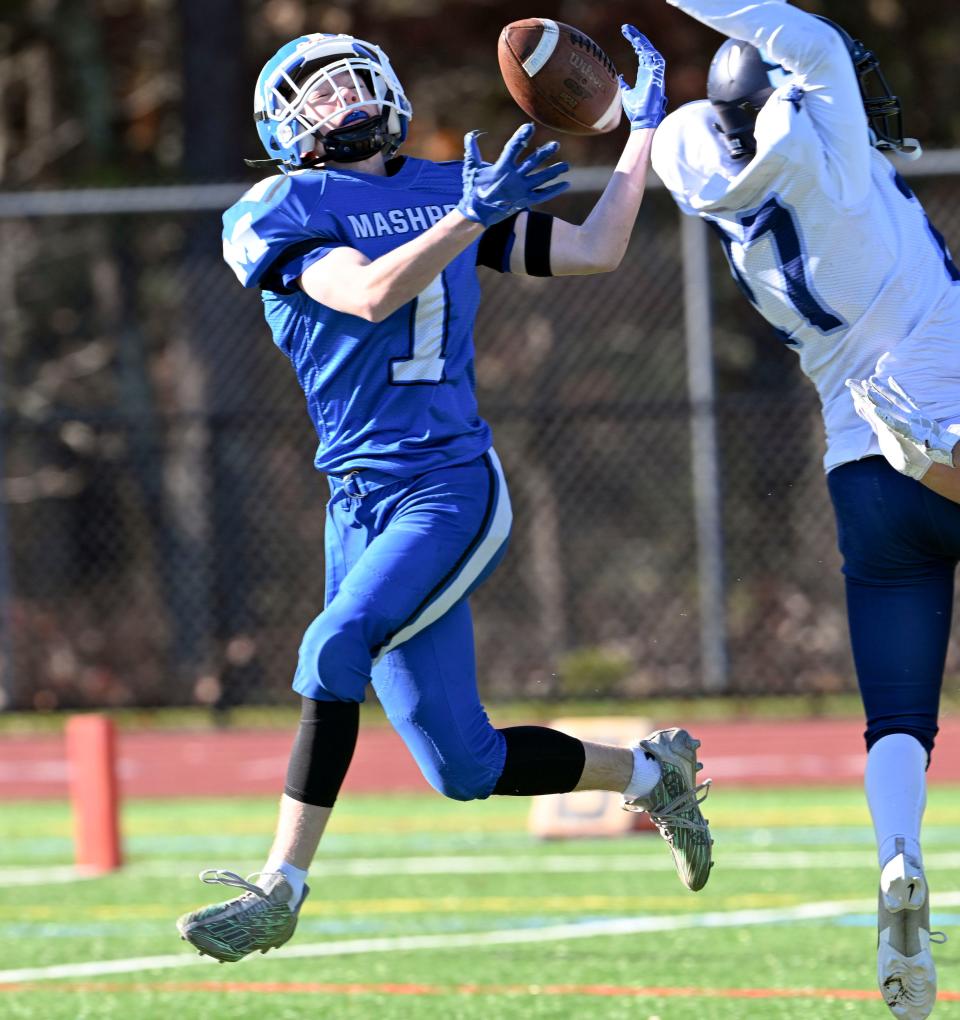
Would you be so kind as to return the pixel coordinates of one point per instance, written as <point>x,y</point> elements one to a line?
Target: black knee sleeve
<point>540,760</point>
<point>322,751</point>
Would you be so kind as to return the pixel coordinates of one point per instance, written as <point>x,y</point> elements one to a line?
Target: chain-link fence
<point>161,523</point>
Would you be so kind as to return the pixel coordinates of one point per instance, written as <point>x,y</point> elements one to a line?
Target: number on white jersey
<point>777,219</point>
<point>938,239</point>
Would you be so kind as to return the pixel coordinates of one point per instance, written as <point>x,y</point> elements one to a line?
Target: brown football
<point>559,76</point>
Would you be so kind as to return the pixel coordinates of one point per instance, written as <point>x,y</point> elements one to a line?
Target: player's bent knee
<point>334,658</point>
<point>450,766</point>
<point>455,784</point>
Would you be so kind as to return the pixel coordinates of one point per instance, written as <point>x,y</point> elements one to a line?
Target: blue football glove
<point>494,191</point>
<point>645,104</point>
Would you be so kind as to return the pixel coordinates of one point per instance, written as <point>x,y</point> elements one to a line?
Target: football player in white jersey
<point>785,161</point>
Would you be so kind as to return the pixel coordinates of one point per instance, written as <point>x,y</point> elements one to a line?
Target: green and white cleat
<point>258,920</point>
<point>674,804</point>
<point>905,969</point>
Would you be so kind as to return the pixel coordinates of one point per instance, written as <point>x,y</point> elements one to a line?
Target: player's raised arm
<point>550,246</point>
<point>819,55</point>
<point>348,281</point>
<point>798,41</point>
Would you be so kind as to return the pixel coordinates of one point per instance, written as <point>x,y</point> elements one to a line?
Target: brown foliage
<point>101,100</point>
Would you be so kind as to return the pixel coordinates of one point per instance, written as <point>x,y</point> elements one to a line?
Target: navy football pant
<point>900,544</point>
<point>401,559</point>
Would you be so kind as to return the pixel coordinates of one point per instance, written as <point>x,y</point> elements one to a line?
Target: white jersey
<point>823,236</point>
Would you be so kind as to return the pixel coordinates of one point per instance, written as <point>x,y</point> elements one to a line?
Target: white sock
<point>297,877</point>
<point>896,786</point>
<point>646,775</point>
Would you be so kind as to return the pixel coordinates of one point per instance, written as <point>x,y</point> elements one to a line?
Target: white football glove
<point>902,453</point>
<point>903,416</point>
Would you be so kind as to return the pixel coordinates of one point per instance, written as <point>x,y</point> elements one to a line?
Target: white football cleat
<point>905,969</point>
<point>674,804</point>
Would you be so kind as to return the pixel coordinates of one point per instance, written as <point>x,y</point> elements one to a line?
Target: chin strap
<point>266,162</point>
<point>905,148</point>
<point>909,149</point>
<point>351,143</point>
<point>285,164</point>
<point>357,141</point>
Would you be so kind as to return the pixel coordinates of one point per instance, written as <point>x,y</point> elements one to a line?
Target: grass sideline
<point>426,908</point>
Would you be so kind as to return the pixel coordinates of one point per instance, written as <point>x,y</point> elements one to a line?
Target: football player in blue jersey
<point>785,161</point>
<point>367,265</point>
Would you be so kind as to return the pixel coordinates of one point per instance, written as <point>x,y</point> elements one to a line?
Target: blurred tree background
<point>99,92</point>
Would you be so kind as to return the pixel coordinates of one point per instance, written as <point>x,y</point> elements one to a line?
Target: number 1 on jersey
<point>428,329</point>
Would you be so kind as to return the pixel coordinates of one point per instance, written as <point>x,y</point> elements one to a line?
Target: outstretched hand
<point>645,104</point>
<point>494,191</point>
<point>902,450</point>
<point>899,412</point>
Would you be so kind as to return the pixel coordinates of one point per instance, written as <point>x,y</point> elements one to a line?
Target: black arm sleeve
<point>495,245</point>
<point>536,248</point>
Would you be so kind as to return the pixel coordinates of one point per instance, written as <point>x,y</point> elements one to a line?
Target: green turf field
<point>425,908</point>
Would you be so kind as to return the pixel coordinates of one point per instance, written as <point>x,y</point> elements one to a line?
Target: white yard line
<point>489,865</point>
<point>50,874</point>
<point>408,943</point>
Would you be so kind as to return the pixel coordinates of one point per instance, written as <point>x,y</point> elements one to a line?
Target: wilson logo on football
<point>584,67</point>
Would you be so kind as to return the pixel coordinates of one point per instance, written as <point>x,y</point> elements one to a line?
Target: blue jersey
<point>398,395</point>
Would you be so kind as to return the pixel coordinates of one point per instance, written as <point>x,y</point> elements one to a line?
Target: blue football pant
<point>402,557</point>
<point>900,544</point>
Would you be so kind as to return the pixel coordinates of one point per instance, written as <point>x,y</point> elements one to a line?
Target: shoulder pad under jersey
<point>263,224</point>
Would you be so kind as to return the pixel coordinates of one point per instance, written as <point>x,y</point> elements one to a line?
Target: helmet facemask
<point>882,107</point>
